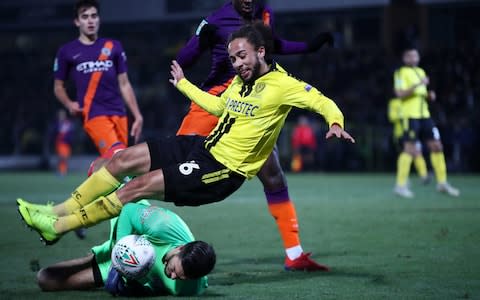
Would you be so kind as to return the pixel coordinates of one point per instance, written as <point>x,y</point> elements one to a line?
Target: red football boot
<point>304,263</point>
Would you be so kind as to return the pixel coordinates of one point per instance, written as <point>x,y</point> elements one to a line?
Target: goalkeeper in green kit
<point>180,267</point>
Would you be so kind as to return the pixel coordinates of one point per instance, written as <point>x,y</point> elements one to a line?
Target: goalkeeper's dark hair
<point>198,259</point>
<point>81,5</point>
<point>257,34</point>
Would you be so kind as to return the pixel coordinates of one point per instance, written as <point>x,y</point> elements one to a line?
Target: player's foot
<point>41,223</point>
<point>402,191</point>
<point>448,189</point>
<point>426,180</point>
<point>81,233</point>
<point>304,263</point>
<point>42,208</point>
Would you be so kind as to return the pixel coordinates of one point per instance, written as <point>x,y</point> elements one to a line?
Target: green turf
<point>379,246</point>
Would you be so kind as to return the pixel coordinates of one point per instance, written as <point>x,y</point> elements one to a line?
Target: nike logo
<point>76,55</point>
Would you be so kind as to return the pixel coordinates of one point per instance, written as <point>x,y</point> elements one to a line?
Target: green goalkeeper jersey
<point>165,230</point>
<point>252,116</point>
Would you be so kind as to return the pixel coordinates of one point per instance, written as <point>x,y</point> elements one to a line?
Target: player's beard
<point>255,72</point>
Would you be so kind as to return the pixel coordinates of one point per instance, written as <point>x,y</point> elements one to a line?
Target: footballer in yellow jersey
<point>253,113</point>
<point>395,116</point>
<point>191,170</point>
<point>414,80</point>
<point>410,83</point>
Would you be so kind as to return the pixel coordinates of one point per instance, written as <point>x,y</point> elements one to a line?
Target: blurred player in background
<point>180,267</point>
<point>410,84</point>
<point>63,141</point>
<point>98,68</point>
<point>395,117</point>
<point>211,35</point>
<point>194,170</point>
<point>304,145</point>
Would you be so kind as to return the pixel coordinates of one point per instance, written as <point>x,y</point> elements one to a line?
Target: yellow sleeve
<point>421,72</point>
<point>212,104</point>
<point>302,95</point>
<point>398,81</point>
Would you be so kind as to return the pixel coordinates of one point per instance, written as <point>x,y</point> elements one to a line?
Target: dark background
<point>357,73</point>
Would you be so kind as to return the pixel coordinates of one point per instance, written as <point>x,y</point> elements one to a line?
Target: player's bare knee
<point>98,163</point>
<point>43,279</point>
<point>137,188</point>
<point>120,162</point>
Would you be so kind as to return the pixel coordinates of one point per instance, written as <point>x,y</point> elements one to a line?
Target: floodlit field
<point>379,246</point>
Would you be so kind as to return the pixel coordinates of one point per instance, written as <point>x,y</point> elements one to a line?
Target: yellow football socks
<point>403,168</point>
<point>98,184</point>
<point>103,208</point>
<point>439,166</point>
<point>420,166</point>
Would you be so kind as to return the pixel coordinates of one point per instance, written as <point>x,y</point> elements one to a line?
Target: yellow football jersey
<point>252,116</point>
<point>414,106</point>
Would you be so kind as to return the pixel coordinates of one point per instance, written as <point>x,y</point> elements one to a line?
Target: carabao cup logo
<point>133,256</point>
<point>128,258</point>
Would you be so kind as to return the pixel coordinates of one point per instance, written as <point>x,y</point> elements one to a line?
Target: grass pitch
<point>379,246</point>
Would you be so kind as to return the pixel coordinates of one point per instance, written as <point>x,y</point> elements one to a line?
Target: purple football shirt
<point>79,62</point>
<point>227,20</point>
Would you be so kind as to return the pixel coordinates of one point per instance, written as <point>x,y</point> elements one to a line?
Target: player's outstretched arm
<point>203,39</point>
<point>207,101</point>
<point>336,130</point>
<point>283,46</point>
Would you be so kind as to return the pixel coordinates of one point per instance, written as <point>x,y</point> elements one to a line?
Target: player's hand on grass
<point>177,73</point>
<point>338,131</point>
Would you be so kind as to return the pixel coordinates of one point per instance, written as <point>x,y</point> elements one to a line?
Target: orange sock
<point>62,167</point>
<point>283,211</point>
<point>297,163</point>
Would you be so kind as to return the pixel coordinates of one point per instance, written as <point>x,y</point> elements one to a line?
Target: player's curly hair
<point>257,34</point>
<point>81,5</point>
<point>198,259</point>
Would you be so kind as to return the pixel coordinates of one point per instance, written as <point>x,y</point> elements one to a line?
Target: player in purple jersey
<point>212,35</point>
<point>98,68</point>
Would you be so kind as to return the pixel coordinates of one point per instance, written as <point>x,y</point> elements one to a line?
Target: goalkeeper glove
<point>114,283</point>
<point>117,285</point>
<point>318,41</point>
